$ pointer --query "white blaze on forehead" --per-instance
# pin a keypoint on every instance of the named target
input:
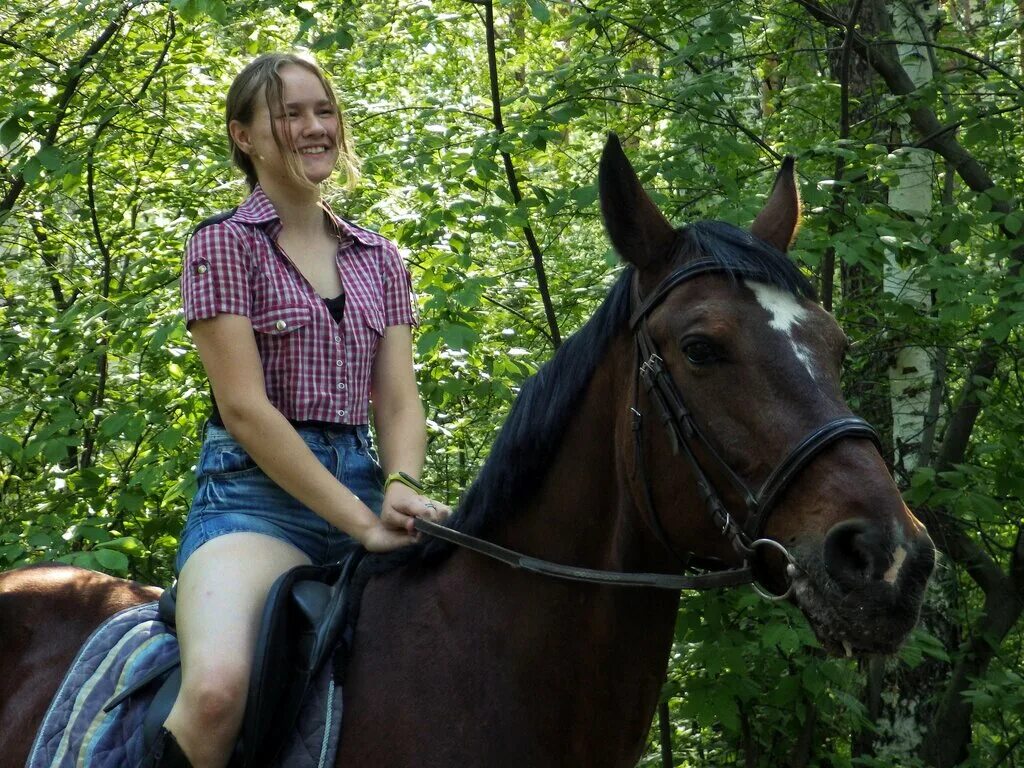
(786, 313)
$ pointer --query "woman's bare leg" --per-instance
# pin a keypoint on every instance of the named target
(221, 593)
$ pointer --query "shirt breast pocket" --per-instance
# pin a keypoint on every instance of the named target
(281, 321)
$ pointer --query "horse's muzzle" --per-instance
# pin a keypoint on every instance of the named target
(862, 590)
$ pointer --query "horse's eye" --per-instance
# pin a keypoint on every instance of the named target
(700, 352)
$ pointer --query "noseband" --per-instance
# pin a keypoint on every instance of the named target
(685, 435)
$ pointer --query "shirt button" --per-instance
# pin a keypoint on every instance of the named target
(339, 363)
(341, 412)
(280, 325)
(337, 338)
(201, 269)
(341, 385)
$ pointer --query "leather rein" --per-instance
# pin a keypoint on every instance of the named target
(684, 434)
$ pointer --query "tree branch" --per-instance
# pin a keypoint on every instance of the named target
(89, 439)
(958, 546)
(55, 287)
(839, 192)
(63, 99)
(4, 40)
(733, 120)
(884, 59)
(540, 329)
(513, 181)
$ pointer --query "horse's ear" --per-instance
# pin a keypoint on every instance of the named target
(779, 220)
(637, 229)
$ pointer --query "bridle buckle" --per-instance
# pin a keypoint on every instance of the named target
(652, 366)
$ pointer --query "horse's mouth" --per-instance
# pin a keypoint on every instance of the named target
(873, 621)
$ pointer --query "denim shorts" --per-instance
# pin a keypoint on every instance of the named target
(234, 495)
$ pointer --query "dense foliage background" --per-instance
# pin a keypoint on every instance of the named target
(480, 124)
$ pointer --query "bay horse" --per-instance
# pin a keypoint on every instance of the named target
(708, 371)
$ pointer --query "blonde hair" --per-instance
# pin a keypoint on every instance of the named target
(263, 74)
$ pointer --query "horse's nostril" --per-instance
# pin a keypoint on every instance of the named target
(856, 551)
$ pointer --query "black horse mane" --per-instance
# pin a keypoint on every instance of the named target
(528, 441)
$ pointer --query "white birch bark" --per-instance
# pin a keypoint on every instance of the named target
(912, 373)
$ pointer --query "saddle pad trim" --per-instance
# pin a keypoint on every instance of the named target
(326, 743)
(83, 652)
(101, 723)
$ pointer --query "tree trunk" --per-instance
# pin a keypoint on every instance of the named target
(912, 370)
(949, 733)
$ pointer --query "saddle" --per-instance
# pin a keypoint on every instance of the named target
(303, 627)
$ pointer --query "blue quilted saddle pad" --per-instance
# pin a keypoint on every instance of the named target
(77, 733)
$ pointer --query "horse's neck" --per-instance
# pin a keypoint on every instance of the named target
(542, 664)
(584, 513)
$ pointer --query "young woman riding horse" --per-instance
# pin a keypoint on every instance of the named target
(697, 410)
(298, 315)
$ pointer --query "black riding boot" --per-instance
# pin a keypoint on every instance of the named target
(165, 753)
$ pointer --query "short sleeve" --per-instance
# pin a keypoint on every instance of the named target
(215, 277)
(399, 299)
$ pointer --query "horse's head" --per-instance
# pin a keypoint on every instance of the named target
(744, 393)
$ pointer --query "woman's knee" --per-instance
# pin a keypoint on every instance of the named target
(214, 695)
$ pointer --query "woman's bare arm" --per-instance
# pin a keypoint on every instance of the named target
(400, 426)
(228, 350)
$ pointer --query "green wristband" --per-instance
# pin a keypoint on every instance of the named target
(404, 479)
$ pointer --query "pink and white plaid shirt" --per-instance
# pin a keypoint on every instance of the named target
(314, 368)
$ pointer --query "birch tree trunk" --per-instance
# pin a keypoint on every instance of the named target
(912, 372)
(900, 700)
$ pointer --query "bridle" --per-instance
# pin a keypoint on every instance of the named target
(684, 435)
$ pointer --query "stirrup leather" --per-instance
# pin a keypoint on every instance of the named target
(166, 753)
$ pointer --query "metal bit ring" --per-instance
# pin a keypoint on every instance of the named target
(771, 543)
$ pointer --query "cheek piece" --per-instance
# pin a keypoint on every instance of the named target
(684, 434)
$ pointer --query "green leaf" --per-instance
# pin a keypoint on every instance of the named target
(1013, 222)
(127, 544)
(30, 171)
(41, 540)
(340, 39)
(563, 113)
(458, 336)
(11, 552)
(111, 560)
(427, 341)
(10, 130)
(9, 447)
(113, 425)
(215, 9)
(189, 9)
(540, 10)
(56, 449)
(91, 533)
(585, 196)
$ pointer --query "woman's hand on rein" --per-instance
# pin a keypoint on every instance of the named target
(402, 505)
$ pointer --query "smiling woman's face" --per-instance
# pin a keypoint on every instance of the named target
(307, 124)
